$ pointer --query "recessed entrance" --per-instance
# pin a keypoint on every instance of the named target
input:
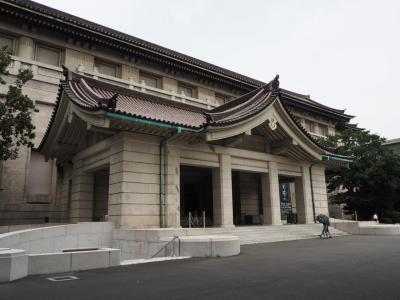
(100, 195)
(247, 198)
(196, 196)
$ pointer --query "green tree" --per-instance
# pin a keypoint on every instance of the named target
(371, 184)
(16, 128)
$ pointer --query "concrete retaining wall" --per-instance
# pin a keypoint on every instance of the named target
(143, 243)
(367, 228)
(73, 261)
(10, 228)
(56, 238)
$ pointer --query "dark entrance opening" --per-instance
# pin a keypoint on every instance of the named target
(100, 195)
(287, 199)
(247, 198)
(196, 196)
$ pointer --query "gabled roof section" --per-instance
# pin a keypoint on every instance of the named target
(244, 106)
(94, 95)
(95, 102)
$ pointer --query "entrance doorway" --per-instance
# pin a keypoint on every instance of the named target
(100, 195)
(247, 198)
(196, 196)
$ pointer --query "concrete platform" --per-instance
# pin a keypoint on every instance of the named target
(13, 264)
(367, 228)
(49, 263)
(209, 246)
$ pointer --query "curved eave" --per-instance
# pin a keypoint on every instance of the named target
(301, 142)
(317, 108)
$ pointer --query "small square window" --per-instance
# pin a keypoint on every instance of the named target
(308, 125)
(6, 41)
(188, 90)
(323, 129)
(221, 99)
(106, 68)
(47, 55)
(150, 80)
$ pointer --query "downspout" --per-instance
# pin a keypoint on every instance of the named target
(312, 188)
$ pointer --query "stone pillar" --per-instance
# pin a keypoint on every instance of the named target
(81, 195)
(134, 190)
(270, 195)
(26, 48)
(222, 193)
(320, 192)
(303, 197)
(172, 187)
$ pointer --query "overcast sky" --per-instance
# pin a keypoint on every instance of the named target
(345, 54)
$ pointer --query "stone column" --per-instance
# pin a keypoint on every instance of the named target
(222, 193)
(81, 195)
(26, 48)
(270, 195)
(134, 190)
(303, 197)
(172, 187)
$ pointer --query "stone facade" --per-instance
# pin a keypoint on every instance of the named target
(131, 160)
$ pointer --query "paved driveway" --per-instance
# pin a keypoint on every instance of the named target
(348, 267)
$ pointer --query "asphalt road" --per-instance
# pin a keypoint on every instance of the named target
(348, 267)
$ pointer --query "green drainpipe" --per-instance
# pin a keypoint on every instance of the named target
(164, 141)
(312, 188)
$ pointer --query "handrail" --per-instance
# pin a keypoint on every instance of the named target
(167, 244)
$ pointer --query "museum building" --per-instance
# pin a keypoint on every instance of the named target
(143, 136)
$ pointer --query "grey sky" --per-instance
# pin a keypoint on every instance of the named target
(345, 54)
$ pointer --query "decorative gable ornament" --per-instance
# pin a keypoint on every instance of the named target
(273, 123)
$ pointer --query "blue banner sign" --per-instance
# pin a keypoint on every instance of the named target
(286, 202)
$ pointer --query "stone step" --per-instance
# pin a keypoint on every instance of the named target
(266, 234)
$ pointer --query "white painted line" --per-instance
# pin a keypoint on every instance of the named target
(150, 260)
(62, 278)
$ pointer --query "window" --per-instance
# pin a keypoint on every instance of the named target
(47, 55)
(106, 68)
(308, 125)
(6, 41)
(323, 129)
(188, 90)
(221, 99)
(39, 178)
(150, 80)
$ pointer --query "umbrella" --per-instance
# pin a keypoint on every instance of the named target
(324, 219)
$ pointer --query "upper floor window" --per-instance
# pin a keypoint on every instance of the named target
(221, 99)
(150, 80)
(47, 55)
(106, 68)
(323, 129)
(7, 41)
(188, 90)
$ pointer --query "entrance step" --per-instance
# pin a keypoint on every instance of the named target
(268, 234)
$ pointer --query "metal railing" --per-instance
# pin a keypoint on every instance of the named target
(197, 221)
(170, 243)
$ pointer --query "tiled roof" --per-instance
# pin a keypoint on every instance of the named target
(95, 95)
(92, 94)
(58, 15)
(245, 106)
(88, 28)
